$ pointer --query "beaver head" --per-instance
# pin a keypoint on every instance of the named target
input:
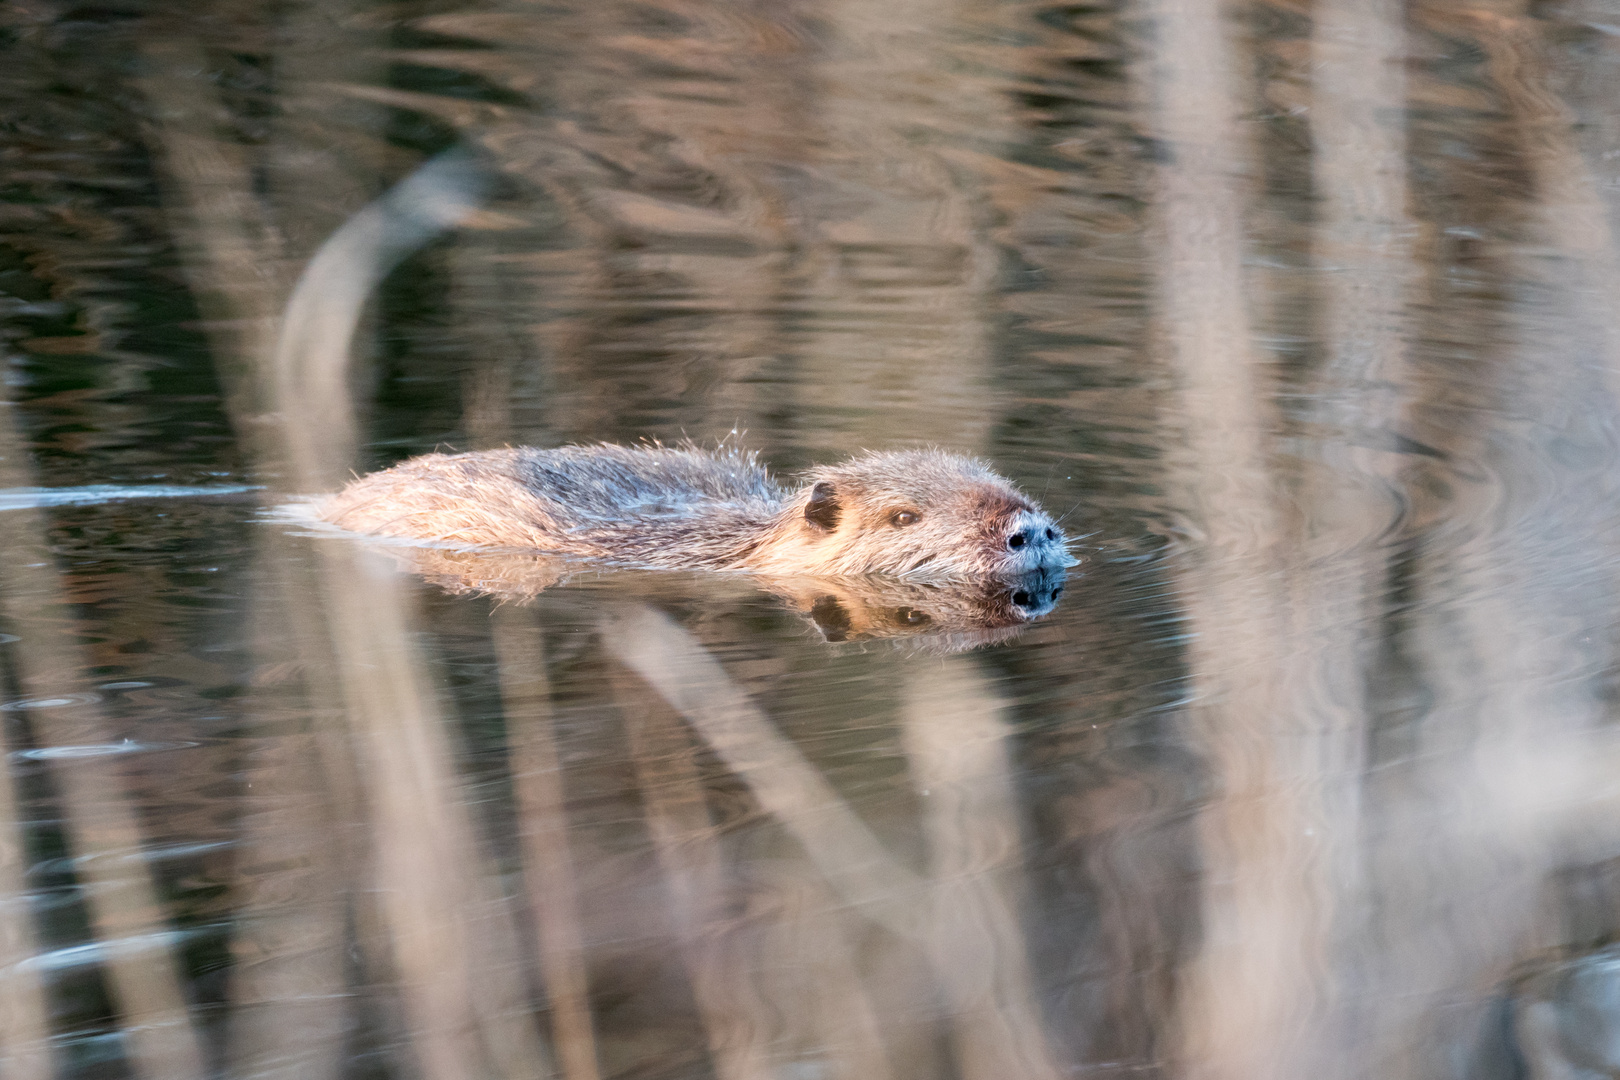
(914, 513)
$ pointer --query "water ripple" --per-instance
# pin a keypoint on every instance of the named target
(84, 750)
(32, 498)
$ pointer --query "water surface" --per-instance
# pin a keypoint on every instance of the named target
(1303, 315)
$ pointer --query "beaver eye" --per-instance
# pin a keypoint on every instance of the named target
(910, 617)
(902, 517)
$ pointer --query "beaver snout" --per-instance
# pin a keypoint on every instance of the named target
(1034, 541)
(1035, 593)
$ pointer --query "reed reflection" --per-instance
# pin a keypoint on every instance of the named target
(438, 918)
(961, 921)
(1326, 886)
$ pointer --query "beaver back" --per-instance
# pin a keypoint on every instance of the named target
(651, 504)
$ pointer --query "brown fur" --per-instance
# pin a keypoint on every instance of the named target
(686, 508)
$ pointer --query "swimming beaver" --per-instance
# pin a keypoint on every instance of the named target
(913, 512)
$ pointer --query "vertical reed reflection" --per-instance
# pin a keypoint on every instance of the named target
(285, 1020)
(1251, 992)
(23, 1020)
(451, 943)
(1352, 491)
(548, 866)
(690, 855)
(102, 827)
(289, 991)
(298, 845)
(1316, 939)
(1571, 214)
(955, 739)
(1500, 785)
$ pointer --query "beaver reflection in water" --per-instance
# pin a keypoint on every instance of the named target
(914, 512)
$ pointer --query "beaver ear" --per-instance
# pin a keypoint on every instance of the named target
(822, 509)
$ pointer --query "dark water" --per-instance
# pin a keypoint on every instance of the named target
(1303, 314)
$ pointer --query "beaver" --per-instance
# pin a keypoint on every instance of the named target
(915, 513)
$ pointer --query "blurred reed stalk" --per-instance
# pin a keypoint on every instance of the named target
(1248, 997)
(24, 1026)
(1352, 494)
(1507, 780)
(1572, 215)
(101, 826)
(693, 863)
(955, 736)
(452, 942)
(289, 975)
(290, 971)
(299, 849)
(787, 786)
(548, 865)
(961, 917)
(533, 762)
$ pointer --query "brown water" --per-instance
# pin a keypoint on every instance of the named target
(1304, 314)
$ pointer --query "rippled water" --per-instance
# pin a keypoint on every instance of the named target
(1303, 315)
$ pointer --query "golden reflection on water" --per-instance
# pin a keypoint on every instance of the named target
(1306, 310)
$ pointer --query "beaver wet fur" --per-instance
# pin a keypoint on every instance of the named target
(920, 513)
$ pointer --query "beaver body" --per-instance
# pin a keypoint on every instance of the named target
(920, 513)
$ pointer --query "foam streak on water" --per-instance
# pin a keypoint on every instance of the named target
(96, 494)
